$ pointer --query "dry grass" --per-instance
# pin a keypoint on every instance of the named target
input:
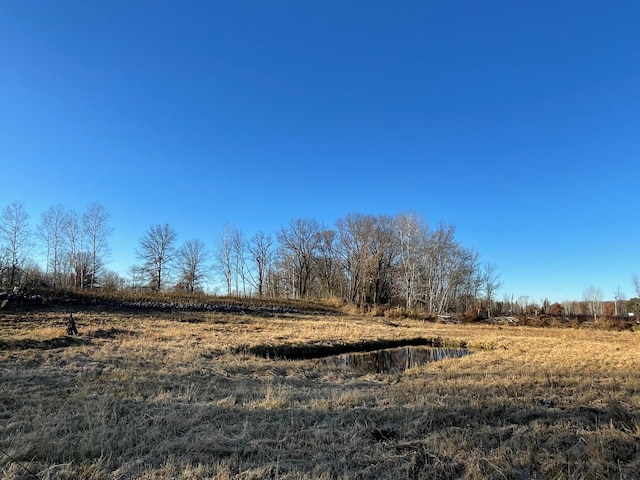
(159, 396)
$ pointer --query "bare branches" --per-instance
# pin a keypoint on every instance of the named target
(298, 244)
(261, 249)
(156, 252)
(51, 234)
(364, 259)
(14, 240)
(593, 297)
(97, 231)
(192, 262)
(490, 283)
(635, 281)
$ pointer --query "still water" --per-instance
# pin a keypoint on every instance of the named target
(394, 360)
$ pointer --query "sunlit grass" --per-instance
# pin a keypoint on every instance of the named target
(163, 395)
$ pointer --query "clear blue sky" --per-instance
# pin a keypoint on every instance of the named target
(517, 121)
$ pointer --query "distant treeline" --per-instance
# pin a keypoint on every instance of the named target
(361, 260)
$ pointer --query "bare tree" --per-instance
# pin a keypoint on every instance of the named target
(593, 297)
(544, 305)
(51, 234)
(438, 272)
(635, 281)
(356, 233)
(14, 240)
(192, 262)
(568, 307)
(96, 231)
(239, 261)
(447, 270)
(327, 263)
(508, 302)
(298, 244)
(224, 258)
(137, 277)
(368, 251)
(77, 258)
(411, 232)
(261, 250)
(384, 257)
(490, 283)
(465, 280)
(353, 234)
(618, 297)
(522, 302)
(112, 281)
(157, 251)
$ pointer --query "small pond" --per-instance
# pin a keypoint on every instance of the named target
(394, 360)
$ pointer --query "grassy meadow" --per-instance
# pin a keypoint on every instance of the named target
(159, 395)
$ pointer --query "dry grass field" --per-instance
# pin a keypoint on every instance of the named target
(155, 395)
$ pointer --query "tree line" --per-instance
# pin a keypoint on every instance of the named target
(361, 260)
(74, 246)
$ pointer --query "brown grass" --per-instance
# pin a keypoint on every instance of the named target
(162, 395)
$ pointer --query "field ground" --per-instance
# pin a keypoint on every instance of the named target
(160, 395)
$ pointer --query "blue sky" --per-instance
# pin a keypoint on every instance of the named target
(518, 122)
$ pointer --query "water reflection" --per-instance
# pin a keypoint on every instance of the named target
(394, 360)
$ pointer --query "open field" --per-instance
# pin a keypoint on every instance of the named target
(159, 395)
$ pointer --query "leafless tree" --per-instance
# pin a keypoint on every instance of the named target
(354, 232)
(261, 251)
(157, 252)
(593, 297)
(15, 240)
(635, 281)
(568, 307)
(4, 264)
(490, 283)
(192, 262)
(383, 260)
(97, 232)
(368, 252)
(77, 263)
(618, 298)
(443, 261)
(137, 277)
(224, 258)
(447, 273)
(508, 302)
(411, 232)
(522, 302)
(545, 304)
(298, 245)
(465, 279)
(327, 264)
(112, 281)
(51, 232)
(238, 253)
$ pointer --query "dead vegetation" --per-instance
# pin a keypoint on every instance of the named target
(159, 395)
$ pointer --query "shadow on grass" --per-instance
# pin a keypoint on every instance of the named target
(65, 341)
(59, 342)
(266, 428)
